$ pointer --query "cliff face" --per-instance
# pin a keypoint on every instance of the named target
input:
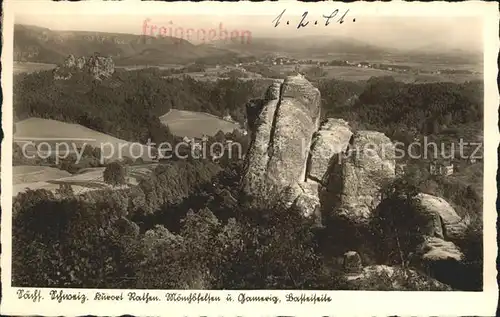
(298, 162)
(97, 66)
(367, 165)
(282, 126)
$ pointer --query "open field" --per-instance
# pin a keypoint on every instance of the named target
(32, 174)
(49, 178)
(195, 124)
(29, 67)
(39, 131)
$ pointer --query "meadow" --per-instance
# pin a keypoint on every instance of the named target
(52, 132)
(30, 67)
(195, 124)
(49, 178)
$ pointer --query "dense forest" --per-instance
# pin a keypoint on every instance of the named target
(128, 105)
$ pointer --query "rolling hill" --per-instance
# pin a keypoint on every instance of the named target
(42, 45)
(38, 131)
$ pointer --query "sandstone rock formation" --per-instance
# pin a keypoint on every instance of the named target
(446, 224)
(330, 141)
(327, 169)
(282, 125)
(294, 160)
(97, 66)
(100, 67)
(367, 166)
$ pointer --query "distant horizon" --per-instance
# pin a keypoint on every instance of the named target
(425, 34)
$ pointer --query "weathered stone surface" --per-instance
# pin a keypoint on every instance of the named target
(445, 222)
(366, 167)
(436, 249)
(390, 278)
(352, 262)
(282, 132)
(331, 140)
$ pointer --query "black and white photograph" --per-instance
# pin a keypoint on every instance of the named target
(306, 148)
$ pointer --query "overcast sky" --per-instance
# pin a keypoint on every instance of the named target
(449, 33)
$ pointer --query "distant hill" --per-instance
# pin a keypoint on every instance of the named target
(42, 45)
(336, 46)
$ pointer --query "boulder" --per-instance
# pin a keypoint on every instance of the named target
(282, 125)
(366, 167)
(436, 249)
(352, 262)
(445, 222)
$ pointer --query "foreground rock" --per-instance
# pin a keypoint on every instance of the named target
(390, 278)
(445, 222)
(436, 249)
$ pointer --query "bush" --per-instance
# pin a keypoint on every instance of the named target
(115, 174)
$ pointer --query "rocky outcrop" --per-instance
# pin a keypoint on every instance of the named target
(326, 169)
(100, 67)
(97, 66)
(295, 161)
(366, 167)
(445, 222)
(282, 126)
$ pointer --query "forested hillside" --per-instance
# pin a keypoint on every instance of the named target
(43, 45)
(129, 104)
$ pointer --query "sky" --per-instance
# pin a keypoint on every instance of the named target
(396, 32)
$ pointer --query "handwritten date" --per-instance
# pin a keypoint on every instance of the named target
(304, 21)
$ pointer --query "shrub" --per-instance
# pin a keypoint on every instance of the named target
(115, 174)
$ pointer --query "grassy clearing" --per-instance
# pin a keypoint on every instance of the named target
(195, 124)
(49, 178)
(39, 130)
